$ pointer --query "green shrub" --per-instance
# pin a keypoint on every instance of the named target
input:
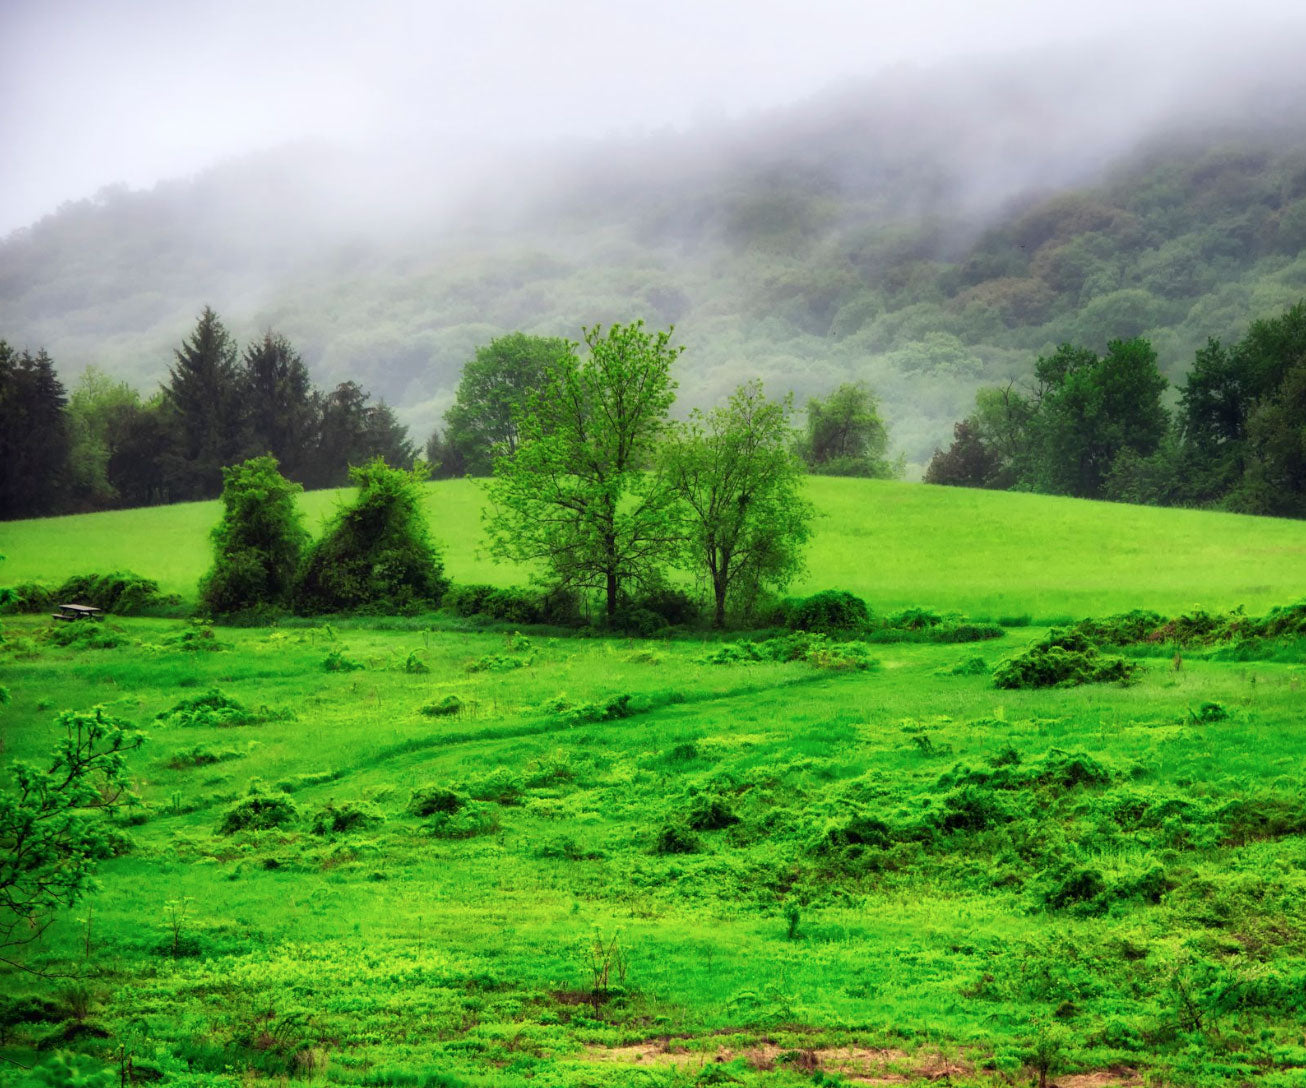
(87, 635)
(258, 542)
(196, 637)
(429, 800)
(515, 604)
(675, 839)
(468, 822)
(830, 612)
(27, 597)
(212, 709)
(710, 814)
(333, 819)
(1062, 659)
(449, 706)
(499, 785)
(376, 554)
(336, 661)
(258, 812)
(120, 592)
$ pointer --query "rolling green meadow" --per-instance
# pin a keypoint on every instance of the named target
(508, 857)
(897, 545)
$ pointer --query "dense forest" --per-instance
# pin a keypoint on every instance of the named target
(892, 233)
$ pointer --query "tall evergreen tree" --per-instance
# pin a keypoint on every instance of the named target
(33, 434)
(279, 411)
(203, 397)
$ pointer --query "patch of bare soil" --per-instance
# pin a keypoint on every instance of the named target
(1107, 1078)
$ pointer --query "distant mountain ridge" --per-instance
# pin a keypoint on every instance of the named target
(924, 232)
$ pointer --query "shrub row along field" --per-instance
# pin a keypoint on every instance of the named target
(993, 556)
(380, 854)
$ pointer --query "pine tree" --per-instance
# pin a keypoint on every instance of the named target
(33, 434)
(203, 396)
(279, 411)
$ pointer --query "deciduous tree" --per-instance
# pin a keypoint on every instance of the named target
(578, 497)
(735, 471)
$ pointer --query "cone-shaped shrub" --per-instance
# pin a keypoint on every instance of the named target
(258, 543)
(377, 554)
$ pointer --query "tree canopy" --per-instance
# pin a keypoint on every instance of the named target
(576, 498)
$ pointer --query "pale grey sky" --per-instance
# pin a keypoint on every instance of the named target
(94, 92)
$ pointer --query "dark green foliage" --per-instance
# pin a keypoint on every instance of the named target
(377, 553)
(448, 706)
(845, 435)
(429, 800)
(333, 819)
(467, 822)
(674, 839)
(817, 650)
(968, 462)
(280, 410)
(258, 812)
(1062, 659)
(202, 755)
(26, 597)
(258, 542)
(120, 592)
(710, 814)
(830, 612)
(34, 444)
(515, 604)
(1090, 411)
(204, 407)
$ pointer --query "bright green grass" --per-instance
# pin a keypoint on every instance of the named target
(993, 554)
(397, 958)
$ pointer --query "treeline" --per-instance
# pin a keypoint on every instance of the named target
(594, 486)
(106, 446)
(1098, 427)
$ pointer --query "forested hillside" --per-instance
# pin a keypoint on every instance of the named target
(895, 232)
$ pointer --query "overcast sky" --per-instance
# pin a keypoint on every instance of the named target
(94, 92)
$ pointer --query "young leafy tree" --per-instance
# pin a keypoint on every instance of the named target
(845, 435)
(577, 497)
(203, 395)
(493, 388)
(735, 471)
(377, 553)
(52, 826)
(100, 411)
(258, 542)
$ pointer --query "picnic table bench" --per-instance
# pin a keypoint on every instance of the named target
(77, 612)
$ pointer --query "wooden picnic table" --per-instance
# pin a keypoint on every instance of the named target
(77, 612)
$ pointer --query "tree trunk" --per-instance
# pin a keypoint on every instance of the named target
(612, 595)
(719, 591)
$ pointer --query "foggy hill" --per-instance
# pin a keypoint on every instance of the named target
(927, 231)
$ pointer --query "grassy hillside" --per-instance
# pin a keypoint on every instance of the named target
(990, 554)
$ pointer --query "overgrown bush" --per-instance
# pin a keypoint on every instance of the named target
(428, 800)
(376, 554)
(1062, 659)
(120, 592)
(515, 604)
(333, 819)
(830, 612)
(258, 542)
(258, 812)
(87, 635)
(213, 708)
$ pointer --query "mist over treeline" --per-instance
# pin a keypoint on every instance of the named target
(928, 232)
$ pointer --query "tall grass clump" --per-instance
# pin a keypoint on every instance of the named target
(257, 544)
(377, 554)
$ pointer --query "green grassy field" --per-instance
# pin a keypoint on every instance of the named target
(649, 868)
(898, 545)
